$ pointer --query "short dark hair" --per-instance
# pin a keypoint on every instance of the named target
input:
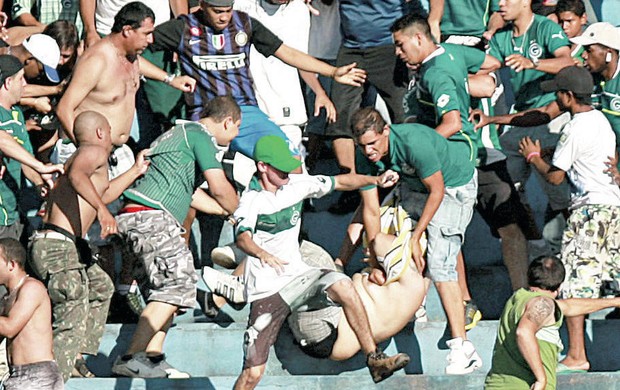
(13, 250)
(132, 15)
(366, 119)
(221, 107)
(546, 272)
(64, 33)
(575, 6)
(412, 20)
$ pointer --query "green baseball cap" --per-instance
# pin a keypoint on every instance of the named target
(274, 151)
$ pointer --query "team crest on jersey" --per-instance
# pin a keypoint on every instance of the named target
(535, 51)
(241, 38)
(295, 218)
(615, 104)
(218, 41)
(408, 169)
(194, 31)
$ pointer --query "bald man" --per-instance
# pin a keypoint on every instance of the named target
(79, 289)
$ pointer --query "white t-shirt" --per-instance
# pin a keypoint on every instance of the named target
(106, 10)
(276, 84)
(586, 143)
(274, 219)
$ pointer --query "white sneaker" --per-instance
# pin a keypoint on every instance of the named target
(463, 358)
(228, 286)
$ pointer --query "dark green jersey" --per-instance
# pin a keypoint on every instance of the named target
(467, 17)
(178, 159)
(13, 123)
(416, 152)
(607, 95)
(540, 41)
(443, 87)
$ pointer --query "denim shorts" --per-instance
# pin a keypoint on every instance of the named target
(254, 125)
(446, 230)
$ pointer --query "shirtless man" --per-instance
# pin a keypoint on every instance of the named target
(107, 75)
(25, 322)
(80, 290)
(326, 333)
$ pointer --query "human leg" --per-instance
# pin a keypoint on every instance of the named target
(576, 356)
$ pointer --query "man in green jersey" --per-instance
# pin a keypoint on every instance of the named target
(439, 191)
(151, 222)
(534, 48)
(528, 340)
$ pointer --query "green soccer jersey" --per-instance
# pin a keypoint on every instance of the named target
(509, 369)
(607, 95)
(443, 87)
(467, 17)
(416, 152)
(13, 123)
(178, 159)
(540, 41)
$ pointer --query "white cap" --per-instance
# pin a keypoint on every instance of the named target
(602, 33)
(45, 49)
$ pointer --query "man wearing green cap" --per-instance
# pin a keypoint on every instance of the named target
(277, 280)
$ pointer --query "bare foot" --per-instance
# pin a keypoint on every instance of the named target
(575, 364)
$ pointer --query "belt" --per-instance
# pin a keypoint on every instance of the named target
(49, 230)
(52, 235)
(134, 209)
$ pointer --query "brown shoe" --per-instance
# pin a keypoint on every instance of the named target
(80, 370)
(382, 366)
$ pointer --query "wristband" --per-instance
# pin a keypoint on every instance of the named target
(169, 77)
(532, 155)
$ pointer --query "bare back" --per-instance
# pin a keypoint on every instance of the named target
(389, 307)
(69, 210)
(33, 343)
(106, 82)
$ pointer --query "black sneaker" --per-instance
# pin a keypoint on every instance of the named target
(206, 303)
(382, 366)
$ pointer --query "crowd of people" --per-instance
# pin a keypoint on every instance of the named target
(124, 123)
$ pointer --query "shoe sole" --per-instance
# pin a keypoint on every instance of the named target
(473, 366)
(399, 365)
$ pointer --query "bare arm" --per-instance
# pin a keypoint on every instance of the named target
(179, 7)
(450, 124)
(27, 302)
(347, 74)
(149, 70)
(481, 86)
(495, 23)
(35, 90)
(120, 183)
(527, 118)
(436, 188)
(490, 64)
(582, 306)
(221, 190)
(28, 20)
(561, 60)
(10, 148)
(205, 203)
(352, 181)
(246, 243)
(87, 13)
(84, 80)
(539, 312)
(434, 18)
(371, 218)
(321, 99)
(528, 149)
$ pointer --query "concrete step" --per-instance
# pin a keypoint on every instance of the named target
(208, 350)
(589, 381)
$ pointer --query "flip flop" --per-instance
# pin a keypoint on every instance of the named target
(563, 369)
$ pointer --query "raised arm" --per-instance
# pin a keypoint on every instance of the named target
(582, 306)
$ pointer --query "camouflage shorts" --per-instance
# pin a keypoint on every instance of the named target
(165, 270)
(590, 250)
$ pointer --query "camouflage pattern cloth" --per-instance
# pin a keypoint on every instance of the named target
(165, 270)
(80, 297)
(591, 250)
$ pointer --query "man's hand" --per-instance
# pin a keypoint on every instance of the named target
(527, 147)
(388, 179)
(323, 100)
(478, 118)
(42, 104)
(183, 83)
(107, 222)
(350, 75)
(311, 9)
(51, 168)
(272, 261)
(142, 164)
(377, 276)
(538, 385)
(518, 63)
(612, 169)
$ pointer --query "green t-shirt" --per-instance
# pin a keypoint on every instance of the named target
(607, 97)
(416, 152)
(467, 17)
(443, 87)
(540, 41)
(178, 159)
(509, 369)
(13, 123)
